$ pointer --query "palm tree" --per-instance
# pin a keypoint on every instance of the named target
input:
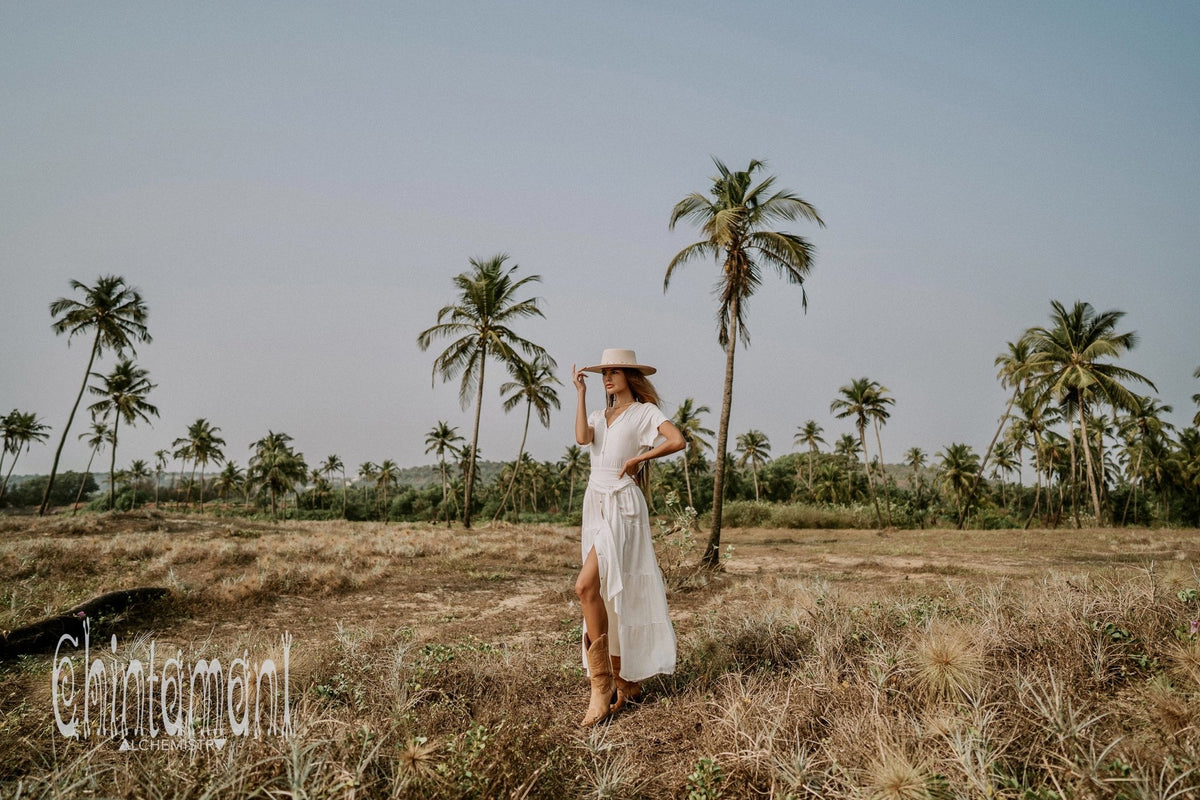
(957, 471)
(878, 413)
(334, 464)
(848, 448)
(1070, 364)
(573, 463)
(230, 479)
(754, 447)
(366, 473)
(97, 437)
(687, 420)
(479, 326)
(201, 445)
(161, 458)
(1142, 428)
(810, 434)
(533, 382)
(734, 218)
(123, 395)
(443, 440)
(386, 478)
(1015, 372)
(275, 466)
(858, 399)
(19, 431)
(115, 315)
(916, 458)
(1003, 465)
(137, 472)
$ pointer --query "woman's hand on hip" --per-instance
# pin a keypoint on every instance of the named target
(630, 468)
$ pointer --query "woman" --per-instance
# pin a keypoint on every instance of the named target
(627, 635)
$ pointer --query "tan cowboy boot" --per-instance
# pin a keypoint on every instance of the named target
(600, 667)
(627, 692)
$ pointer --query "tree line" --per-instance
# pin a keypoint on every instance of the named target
(1100, 452)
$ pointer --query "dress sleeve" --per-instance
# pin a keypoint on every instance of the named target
(593, 421)
(648, 435)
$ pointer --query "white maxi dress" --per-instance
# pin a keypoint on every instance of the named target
(617, 523)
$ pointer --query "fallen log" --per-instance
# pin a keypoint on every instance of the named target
(43, 636)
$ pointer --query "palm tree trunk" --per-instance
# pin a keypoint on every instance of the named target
(11, 467)
(1087, 455)
(712, 551)
(516, 466)
(862, 440)
(1134, 483)
(71, 418)
(112, 466)
(987, 455)
(83, 482)
(883, 471)
(474, 442)
(687, 479)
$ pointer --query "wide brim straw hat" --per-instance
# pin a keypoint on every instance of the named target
(625, 359)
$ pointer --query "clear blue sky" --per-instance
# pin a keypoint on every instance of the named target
(292, 186)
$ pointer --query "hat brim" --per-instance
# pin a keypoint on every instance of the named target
(642, 368)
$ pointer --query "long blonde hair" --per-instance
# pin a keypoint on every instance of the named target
(643, 390)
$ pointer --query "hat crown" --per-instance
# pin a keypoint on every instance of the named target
(620, 357)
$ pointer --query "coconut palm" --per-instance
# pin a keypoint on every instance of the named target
(859, 398)
(1004, 463)
(230, 479)
(754, 448)
(18, 431)
(201, 445)
(479, 325)
(366, 473)
(122, 395)
(97, 437)
(387, 477)
(877, 411)
(138, 471)
(734, 217)
(687, 420)
(115, 316)
(161, 459)
(1070, 362)
(533, 382)
(848, 448)
(443, 440)
(573, 464)
(1015, 371)
(275, 466)
(331, 465)
(1142, 428)
(957, 472)
(809, 434)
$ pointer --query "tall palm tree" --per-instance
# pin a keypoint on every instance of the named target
(533, 382)
(754, 447)
(122, 394)
(735, 217)
(1016, 369)
(687, 420)
(115, 315)
(275, 466)
(138, 471)
(957, 471)
(916, 458)
(573, 464)
(479, 325)
(877, 411)
(97, 437)
(202, 444)
(1070, 361)
(20, 430)
(1142, 428)
(848, 448)
(858, 399)
(161, 459)
(443, 440)
(231, 478)
(331, 465)
(386, 478)
(809, 434)
(366, 473)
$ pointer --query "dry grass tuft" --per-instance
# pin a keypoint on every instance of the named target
(946, 663)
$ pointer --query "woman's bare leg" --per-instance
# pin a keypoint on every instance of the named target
(587, 589)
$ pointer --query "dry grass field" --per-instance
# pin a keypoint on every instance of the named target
(427, 662)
